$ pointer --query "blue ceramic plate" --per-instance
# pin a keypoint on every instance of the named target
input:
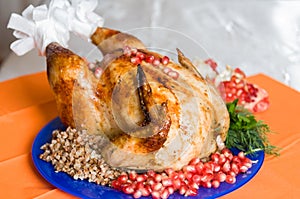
(85, 189)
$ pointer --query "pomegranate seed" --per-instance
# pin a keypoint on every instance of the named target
(141, 178)
(155, 195)
(165, 60)
(149, 59)
(170, 172)
(157, 186)
(132, 175)
(151, 173)
(222, 159)
(191, 192)
(240, 72)
(193, 185)
(215, 183)
(122, 178)
(148, 188)
(183, 189)
(207, 177)
(226, 152)
(211, 63)
(164, 175)
(232, 173)
(239, 92)
(194, 161)
(241, 155)
(207, 171)
(247, 160)
(221, 177)
(139, 185)
(236, 160)
(226, 167)
(208, 167)
(135, 60)
(137, 194)
(157, 177)
(234, 79)
(243, 169)
(230, 179)
(207, 184)
(156, 62)
(127, 51)
(230, 156)
(215, 157)
(176, 184)
(116, 184)
(181, 175)
(248, 164)
(233, 91)
(226, 83)
(167, 70)
(199, 167)
(234, 168)
(189, 168)
(173, 74)
(196, 178)
(188, 175)
(98, 72)
(145, 191)
(166, 182)
(165, 194)
(217, 168)
(150, 181)
(174, 175)
(128, 189)
(140, 55)
(171, 190)
(240, 85)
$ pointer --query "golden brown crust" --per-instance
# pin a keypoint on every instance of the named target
(62, 68)
(109, 40)
(102, 34)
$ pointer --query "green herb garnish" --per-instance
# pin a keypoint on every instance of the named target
(246, 133)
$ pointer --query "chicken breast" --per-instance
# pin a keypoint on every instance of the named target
(145, 118)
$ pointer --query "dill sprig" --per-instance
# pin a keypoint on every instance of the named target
(246, 133)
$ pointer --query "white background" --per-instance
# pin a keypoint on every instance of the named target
(257, 36)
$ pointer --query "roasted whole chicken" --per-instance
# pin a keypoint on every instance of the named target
(146, 119)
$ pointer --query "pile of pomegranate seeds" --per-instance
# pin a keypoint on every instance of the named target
(136, 57)
(222, 167)
(232, 85)
(249, 95)
(238, 88)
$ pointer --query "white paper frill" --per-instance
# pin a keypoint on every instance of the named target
(41, 25)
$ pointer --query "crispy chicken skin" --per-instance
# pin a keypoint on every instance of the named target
(146, 119)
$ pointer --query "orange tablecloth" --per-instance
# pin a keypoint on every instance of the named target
(27, 105)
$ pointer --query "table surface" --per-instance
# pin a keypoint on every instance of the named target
(27, 104)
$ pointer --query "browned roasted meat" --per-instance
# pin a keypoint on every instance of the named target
(147, 119)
